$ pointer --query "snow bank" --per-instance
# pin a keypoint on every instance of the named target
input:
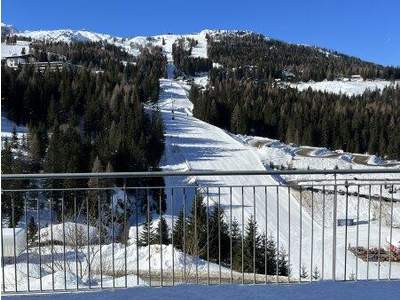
(375, 160)
(80, 233)
(152, 253)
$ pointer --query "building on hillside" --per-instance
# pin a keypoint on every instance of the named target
(356, 78)
(343, 222)
(17, 60)
(20, 60)
(41, 66)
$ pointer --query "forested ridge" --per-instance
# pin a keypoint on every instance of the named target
(244, 97)
(366, 123)
(251, 55)
(88, 114)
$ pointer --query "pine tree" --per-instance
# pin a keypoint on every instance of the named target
(162, 232)
(32, 230)
(36, 147)
(283, 263)
(14, 138)
(178, 231)
(236, 236)
(147, 236)
(270, 247)
(303, 272)
(252, 244)
(219, 242)
(6, 158)
(316, 275)
(196, 237)
(236, 120)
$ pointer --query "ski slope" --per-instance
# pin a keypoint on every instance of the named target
(192, 144)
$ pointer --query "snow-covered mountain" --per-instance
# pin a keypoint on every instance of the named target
(131, 44)
(8, 29)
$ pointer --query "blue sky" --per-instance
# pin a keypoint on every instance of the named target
(369, 29)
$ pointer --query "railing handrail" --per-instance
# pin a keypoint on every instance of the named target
(154, 174)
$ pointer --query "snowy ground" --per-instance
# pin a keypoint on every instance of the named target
(314, 158)
(349, 88)
(192, 144)
(316, 291)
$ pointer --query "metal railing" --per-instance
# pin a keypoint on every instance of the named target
(101, 230)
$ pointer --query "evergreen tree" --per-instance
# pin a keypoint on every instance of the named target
(219, 241)
(32, 231)
(196, 237)
(147, 236)
(14, 138)
(252, 246)
(316, 275)
(236, 236)
(284, 268)
(303, 272)
(162, 232)
(271, 254)
(178, 231)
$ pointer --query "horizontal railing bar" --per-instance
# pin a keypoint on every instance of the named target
(194, 173)
(191, 186)
(383, 180)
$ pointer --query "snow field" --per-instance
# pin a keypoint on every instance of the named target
(349, 88)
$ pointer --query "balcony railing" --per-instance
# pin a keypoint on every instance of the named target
(107, 230)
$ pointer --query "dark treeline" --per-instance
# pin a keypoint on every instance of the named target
(190, 235)
(84, 121)
(366, 123)
(254, 56)
(181, 51)
(243, 96)
(88, 115)
(90, 54)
